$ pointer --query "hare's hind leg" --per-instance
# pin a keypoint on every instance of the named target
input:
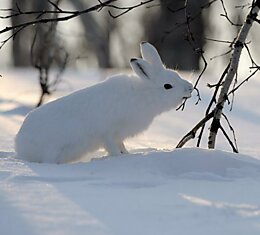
(115, 148)
(122, 147)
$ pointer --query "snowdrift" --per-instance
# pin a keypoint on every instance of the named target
(185, 191)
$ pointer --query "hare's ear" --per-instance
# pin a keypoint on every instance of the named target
(142, 68)
(150, 54)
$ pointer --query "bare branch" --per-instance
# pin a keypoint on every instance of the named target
(191, 18)
(226, 15)
(223, 54)
(244, 81)
(250, 56)
(228, 139)
(55, 6)
(232, 130)
(191, 134)
(243, 6)
(176, 10)
(71, 15)
(126, 9)
(218, 40)
(11, 37)
(68, 14)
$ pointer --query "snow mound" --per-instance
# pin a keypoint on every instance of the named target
(187, 163)
(185, 191)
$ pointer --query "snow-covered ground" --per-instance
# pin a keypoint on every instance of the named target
(153, 190)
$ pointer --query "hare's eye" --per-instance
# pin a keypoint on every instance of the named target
(167, 86)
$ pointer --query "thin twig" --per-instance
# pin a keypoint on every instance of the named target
(228, 139)
(250, 55)
(126, 9)
(226, 15)
(244, 81)
(55, 6)
(223, 54)
(232, 130)
(218, 40)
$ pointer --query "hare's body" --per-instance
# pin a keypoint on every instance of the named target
(101, 116)
(53, 136)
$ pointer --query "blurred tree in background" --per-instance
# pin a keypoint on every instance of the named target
(167, 30)
(23, 40)
(95, 33)
(163, 26)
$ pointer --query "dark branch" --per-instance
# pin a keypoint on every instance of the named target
(223, 54)
(244, 81)
(55, 6)
(126, 9)
(228, 139)
(232, 130)
(226, 15)
(191, 134)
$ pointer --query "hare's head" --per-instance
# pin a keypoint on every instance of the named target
(167, 84)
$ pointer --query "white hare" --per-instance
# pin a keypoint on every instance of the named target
(103, 115)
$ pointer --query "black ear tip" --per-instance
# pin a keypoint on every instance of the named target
(133, 59)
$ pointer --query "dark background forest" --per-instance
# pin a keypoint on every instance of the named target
(98, 40)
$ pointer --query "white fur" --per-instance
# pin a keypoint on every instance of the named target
(103, 115)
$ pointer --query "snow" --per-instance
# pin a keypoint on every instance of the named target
(153, 190)
(183, 191)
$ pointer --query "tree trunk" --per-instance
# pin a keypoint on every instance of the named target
(96, 35)
(238, 46)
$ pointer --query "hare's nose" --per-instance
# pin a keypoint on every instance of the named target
(189, 88)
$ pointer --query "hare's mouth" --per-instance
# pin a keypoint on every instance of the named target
(187, 93)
